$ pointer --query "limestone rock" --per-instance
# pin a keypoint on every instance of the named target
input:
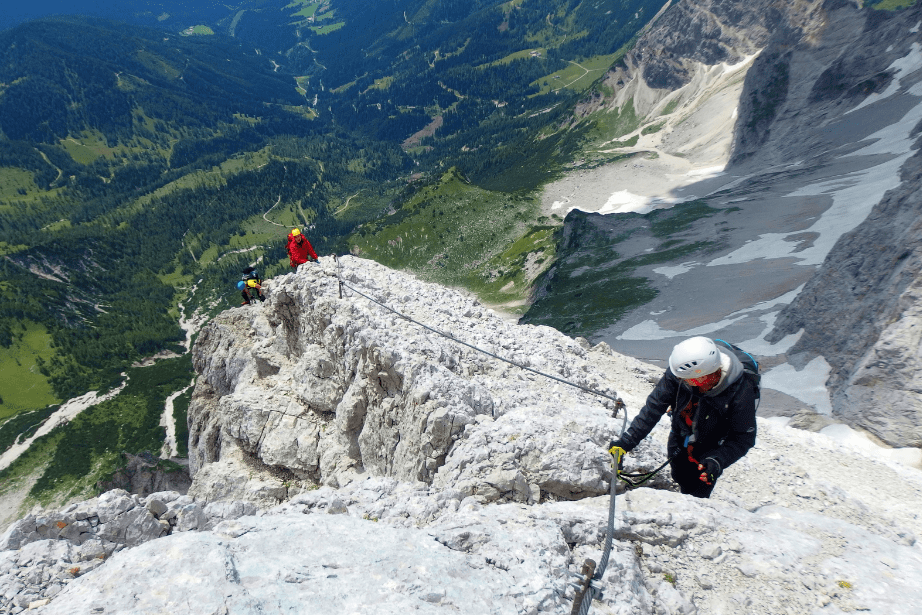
(349, 561)
(145, 474)
(861, 310)
(446, 482)
(354, 390)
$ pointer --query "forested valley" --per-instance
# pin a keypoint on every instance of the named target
(141, 170)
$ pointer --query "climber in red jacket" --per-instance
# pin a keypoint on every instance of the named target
(299, 249)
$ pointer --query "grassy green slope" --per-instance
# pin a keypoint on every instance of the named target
(26, 387)
(115, 208)
(893, 5)
(70, 460)
(457, 234)
(152, 192)
(491, 74)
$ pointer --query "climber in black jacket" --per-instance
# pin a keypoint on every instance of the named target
(713, 408)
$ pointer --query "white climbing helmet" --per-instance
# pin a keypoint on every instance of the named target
(695, 357)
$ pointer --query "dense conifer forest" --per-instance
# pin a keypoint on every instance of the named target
(141, 168)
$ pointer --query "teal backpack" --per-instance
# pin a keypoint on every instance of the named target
(750, 366)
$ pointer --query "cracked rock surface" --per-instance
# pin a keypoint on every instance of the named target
(347, 461)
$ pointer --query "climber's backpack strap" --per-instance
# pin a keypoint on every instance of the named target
(750, 365)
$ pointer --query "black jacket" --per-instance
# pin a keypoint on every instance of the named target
(724, 425)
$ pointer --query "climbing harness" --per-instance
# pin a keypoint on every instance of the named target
(591, 574)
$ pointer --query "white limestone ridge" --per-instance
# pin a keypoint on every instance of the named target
(346, 460)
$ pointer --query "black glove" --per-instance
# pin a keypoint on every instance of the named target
(710, 470)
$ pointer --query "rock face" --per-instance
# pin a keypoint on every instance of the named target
(860, 311)
(503, 520)
(690, 36)
(803, 538)
(42, 553)
(313, 389)
(144, 474)
(805, 82)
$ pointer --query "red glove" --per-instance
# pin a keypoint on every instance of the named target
(710, 471)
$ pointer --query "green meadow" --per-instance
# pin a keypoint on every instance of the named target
(578, 76)
(25, 388)
(451, 232)
(893, 5)
(72, 458)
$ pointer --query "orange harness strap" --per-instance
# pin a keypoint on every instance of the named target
(686, 415)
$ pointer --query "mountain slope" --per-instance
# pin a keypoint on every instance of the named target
(86, 79)
(454, 481)
(823, 133)
(867, 287)
(97, 221)
(111, 131)
(117, 141)
(164, 166)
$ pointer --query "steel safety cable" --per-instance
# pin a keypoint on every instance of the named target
(593, 574)
(618, 402)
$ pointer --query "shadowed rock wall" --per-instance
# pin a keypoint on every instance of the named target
(862, 313)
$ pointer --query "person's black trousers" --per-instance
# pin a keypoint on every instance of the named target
(687, 475)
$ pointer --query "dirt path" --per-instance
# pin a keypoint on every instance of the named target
(586, 72)
(270, 209)
(45, 158)
(346, 204)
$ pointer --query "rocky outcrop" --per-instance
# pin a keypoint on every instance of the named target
(859, 96)
(313, 389)
(761, 544)
(144, 474)
(42, 553)
(500, 526)
(804, 83)
(691, 35)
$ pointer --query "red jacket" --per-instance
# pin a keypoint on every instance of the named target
(299, 254)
